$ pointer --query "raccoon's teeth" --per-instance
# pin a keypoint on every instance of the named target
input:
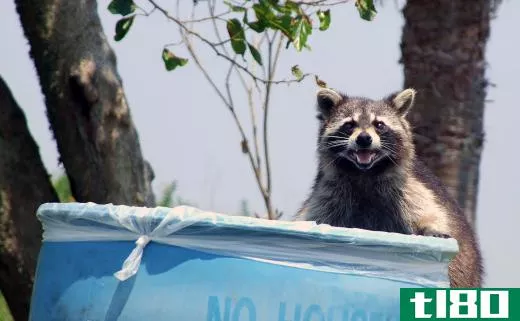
(364, 157)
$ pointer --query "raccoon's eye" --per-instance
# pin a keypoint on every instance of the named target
(380, 125)
(348, 126)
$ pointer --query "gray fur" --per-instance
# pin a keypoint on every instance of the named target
(394, 192)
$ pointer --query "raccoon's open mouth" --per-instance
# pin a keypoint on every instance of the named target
(363, 158)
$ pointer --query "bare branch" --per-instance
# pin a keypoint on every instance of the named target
(230, 106)
(266, 137)
(277, 53)
(249, 91)
(321, 3)
(203, 70)
(211, 7)
(212, 17)
(174, 44)
(254, 127)
(228, 86)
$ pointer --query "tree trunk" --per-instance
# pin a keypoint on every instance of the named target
(24, 186)
(443, 47)
(86, 105)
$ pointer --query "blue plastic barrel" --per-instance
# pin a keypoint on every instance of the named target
(184, 264)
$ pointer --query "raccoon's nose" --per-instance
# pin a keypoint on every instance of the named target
(364, 140)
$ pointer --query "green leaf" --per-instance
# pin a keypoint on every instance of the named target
(286, 8)
(297, 72)
(258, 26)
(265, 15)
(255, 53)
(292, 6)
(284, 24)
(122, 27)
(235, 8)
(366, 9)
(5, 313)
(263, 12)
(167, 195)
(122, 7)
(324, 17)
(301, 32)
(171, 61)
(62, 187)
(238, 38)
(266, 18)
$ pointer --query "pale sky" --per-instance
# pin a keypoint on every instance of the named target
(187, 134)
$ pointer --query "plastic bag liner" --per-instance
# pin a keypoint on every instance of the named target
(407, 258)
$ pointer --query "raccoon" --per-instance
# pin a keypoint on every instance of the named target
(369, 177)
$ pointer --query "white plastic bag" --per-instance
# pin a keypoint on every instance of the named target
(422, 260)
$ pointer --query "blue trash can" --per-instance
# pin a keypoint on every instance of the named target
(107, 262)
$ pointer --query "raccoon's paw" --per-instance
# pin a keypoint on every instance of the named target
(430, 232)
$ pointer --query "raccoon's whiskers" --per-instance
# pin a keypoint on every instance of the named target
(329, 145)
(389, 146)
(333, 136)
(337, 143)
(391, 149)
(330, 163)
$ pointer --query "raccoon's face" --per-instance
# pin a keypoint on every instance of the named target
(359, 134)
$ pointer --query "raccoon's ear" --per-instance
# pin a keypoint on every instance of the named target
(403, 101)
(327, 99)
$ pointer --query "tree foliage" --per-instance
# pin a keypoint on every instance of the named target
(170, 198)
(294, 19)
(62, 187)
(5, 314)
